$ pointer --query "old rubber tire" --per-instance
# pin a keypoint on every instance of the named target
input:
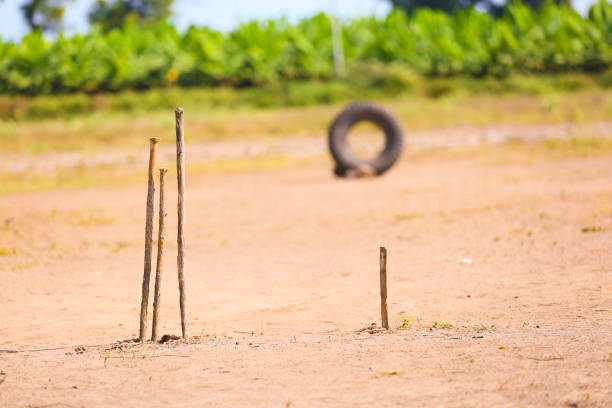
(345, 158)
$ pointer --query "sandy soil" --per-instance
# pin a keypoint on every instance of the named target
(282, 273)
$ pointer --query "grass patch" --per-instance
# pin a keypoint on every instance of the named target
(392, 373)
(593, 228)
(9, 251)
(114, 247)
(404, 217)
(117, 130)
(410, 322)
(91, 218)
(80, 178)
(362, 81)
(579, 146)
(438, 325)
(69, 179)
(518, 152)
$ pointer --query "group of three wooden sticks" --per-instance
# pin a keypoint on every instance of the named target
(180, 171)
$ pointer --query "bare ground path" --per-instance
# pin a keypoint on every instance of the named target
(282, 275)
(301, 147)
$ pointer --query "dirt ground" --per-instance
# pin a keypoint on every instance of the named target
(500, 291)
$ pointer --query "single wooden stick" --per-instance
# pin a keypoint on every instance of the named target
(180, 259)
(161, 238)
(383, 288)
(144, 302)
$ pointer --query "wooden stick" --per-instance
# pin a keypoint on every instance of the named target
(144, 302)
(383, 288)
(180, 259)
(161, 238)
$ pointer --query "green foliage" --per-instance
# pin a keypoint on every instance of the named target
(365, 81)
(432, 43)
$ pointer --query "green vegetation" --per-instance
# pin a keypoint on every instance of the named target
(580, 146)
(437, 325)
(119, 122)
(90, 218)
(10, 251)
(364, 81)
(410, 322)
(553, 38)
(390, 373)
(594, 228)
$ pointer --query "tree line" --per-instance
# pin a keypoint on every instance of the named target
(47, 15)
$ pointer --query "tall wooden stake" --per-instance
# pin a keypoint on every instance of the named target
(180, 259)
(144, 303)
(337, 47)
(383, 288)
(161, 238)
